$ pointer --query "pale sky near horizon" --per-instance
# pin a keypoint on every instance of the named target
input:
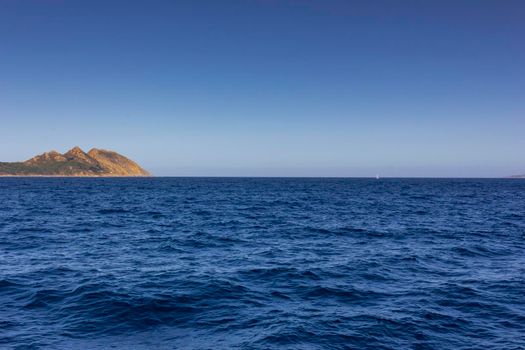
(269, 87)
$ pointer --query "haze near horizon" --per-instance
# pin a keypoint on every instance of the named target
(269, 88)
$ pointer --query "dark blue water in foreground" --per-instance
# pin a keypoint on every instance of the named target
(197, 263)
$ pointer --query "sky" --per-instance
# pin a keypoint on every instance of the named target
(269, 87)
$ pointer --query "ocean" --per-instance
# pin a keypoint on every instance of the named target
(262, 263)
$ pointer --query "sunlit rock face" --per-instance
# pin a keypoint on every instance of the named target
(75, 162)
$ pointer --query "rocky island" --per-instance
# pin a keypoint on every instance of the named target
(75, 162)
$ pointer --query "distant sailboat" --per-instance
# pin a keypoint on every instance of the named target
(377, 176)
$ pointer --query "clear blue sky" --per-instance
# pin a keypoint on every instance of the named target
(269, 87)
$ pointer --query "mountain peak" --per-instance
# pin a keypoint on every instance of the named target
(76, 149)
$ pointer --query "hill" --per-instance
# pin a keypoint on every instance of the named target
(75, 162)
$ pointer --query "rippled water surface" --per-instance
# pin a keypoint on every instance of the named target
(222, 263)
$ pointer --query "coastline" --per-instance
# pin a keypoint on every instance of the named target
(79, 176)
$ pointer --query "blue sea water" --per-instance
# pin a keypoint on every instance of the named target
(253, 263)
